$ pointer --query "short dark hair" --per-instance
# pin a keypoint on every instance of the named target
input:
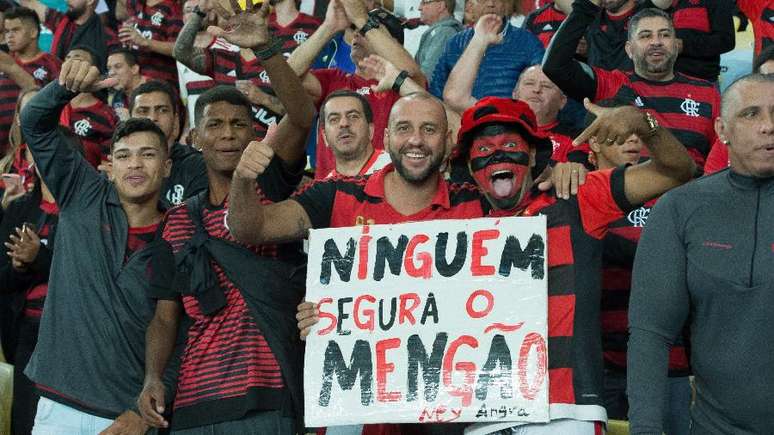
(24, 14)
(95, 59)
(154, 86)
(764, 56)
(221, 93)
(367, 112)
(634, 21)
(129, 57)
(138, 125)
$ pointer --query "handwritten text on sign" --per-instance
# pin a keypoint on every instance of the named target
(428, 322)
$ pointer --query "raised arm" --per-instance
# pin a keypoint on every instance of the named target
(184, 50)
(64, 171)
(575, 79)
(37, 6)
(10, 68)
(382, 42)
(252, 222)
(458, 92)
(669, 165)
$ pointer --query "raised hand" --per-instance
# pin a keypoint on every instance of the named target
(244, 28)
(81, 76)
(613, 125)
(335, 16)
(356, 11)
(487, 29)
(23, 247)
(130, 36)
(256, 157)
(381, 70)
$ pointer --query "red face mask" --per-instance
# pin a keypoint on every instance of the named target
(500, 165)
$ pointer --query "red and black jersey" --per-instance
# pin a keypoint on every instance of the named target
(67, 34)
(620, 245)
(544, 22)
(226, 67)
(94, 125)
(606, 37)
(295, 33)
(44, 68)
(561, 136)
(706, 29)
(36, 295)
(761, 14)
(160, 22)
(333, 79)
(139, 237)
(575, 230)
(684, 105)
(717, 160)
(348, 201)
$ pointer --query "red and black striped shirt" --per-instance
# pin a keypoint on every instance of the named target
(36, 295)
(347, 201)
(620, 245)
(684, 105)
(44, 68)
(160, 22)
(295, 33)
(94, 125)
(761, 14)
(544, 22)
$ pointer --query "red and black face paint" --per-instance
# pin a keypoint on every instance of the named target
(500, 163)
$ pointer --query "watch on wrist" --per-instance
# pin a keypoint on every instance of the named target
(399, 81)
(271, 49)
(652, 125)
(372, 23)
(199, 12)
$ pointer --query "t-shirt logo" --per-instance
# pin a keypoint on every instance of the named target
(264, 76)
(157, 19)
(82, 127)
(638, 102)
(690, 107)
(300, 36)
(548, 27)
(40, 73)
(175, 194)
(638, 217)
(365, 90)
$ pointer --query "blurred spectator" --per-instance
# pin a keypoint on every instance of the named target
(375, 35)
(28, 230)
(544, 21)
(122, 65)
(607, 31)
(150, 29)
(225, 67)
(88, 116)
(439, 16)
(761, 14)
(78, 26)
(507, 52)
(705, 30)
(157, 101)
(347, 123)
(494, 56)
(25, 66)
(290, 25)
(684, 105)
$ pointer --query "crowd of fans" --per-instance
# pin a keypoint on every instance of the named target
(163, 162)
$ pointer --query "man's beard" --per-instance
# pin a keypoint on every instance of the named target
(435, 166)
(75, 13)
(667, 65)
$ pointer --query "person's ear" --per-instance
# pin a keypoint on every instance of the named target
(628, 49)
(720, 130)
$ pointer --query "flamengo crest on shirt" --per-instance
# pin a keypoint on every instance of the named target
(428, 326)
(690, 107)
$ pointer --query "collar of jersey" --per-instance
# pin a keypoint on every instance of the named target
(375, 187)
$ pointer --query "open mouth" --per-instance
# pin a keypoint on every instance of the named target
(503, 183)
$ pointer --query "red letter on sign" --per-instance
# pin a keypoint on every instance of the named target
(466, 390)
(367, 312)
(383, 368)
(532, 339)
(362, 267)
(324, 315)
(489, 304)
(425, 269)
(408, 303)
(476, 268)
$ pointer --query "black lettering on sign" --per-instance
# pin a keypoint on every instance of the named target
(393, 255)
(533, 256)
(393, 308)
(360, 363)
(431, 309)
(431, 366)
(342, 315)
(449, 269)
(499, 356)
(343, 264)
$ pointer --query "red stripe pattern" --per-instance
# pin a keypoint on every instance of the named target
(160, 22)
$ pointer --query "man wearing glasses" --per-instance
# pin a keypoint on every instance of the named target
(439, 15)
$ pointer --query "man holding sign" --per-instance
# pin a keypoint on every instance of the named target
(499, 139)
